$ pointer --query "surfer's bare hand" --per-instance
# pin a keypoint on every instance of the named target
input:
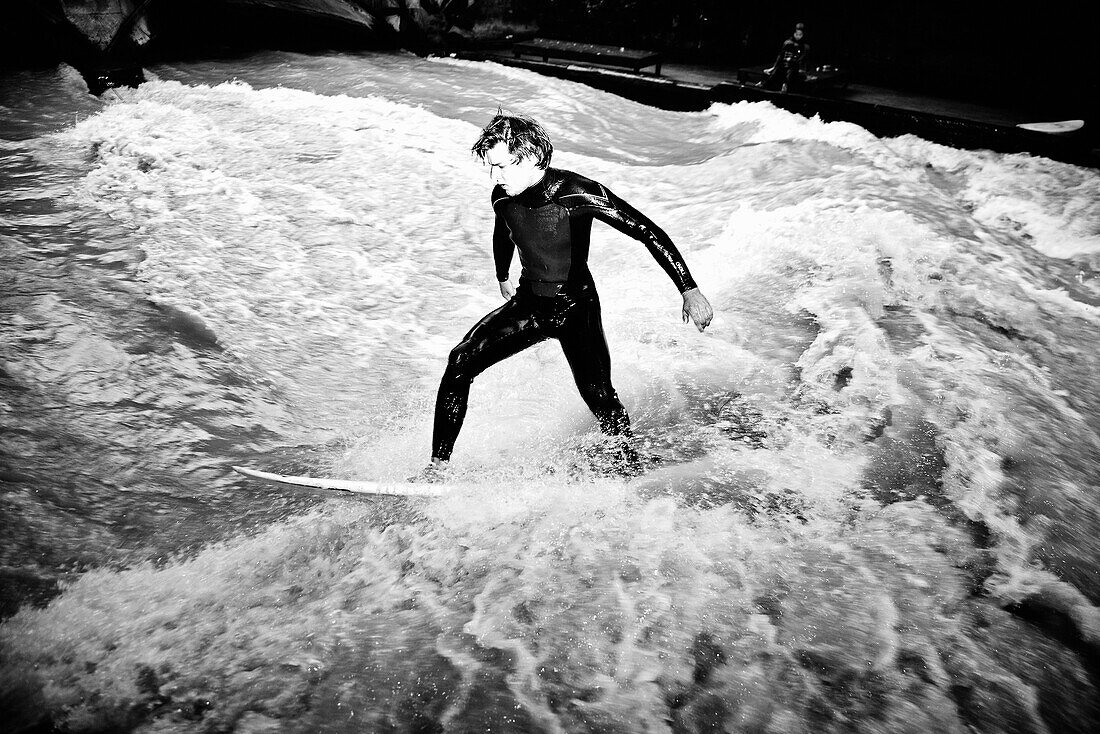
(697, 309)
(507, 289)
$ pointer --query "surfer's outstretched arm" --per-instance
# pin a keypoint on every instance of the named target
(596, 199)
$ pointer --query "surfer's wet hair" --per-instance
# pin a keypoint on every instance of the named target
(523, 135)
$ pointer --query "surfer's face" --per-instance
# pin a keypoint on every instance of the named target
(514, 175)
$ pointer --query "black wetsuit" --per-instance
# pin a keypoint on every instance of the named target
(789, 67)
(550, 224)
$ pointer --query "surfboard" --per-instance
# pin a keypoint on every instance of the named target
(356, 486)
(1062, 126)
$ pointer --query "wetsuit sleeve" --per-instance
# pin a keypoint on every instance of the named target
(503, 248)
(779, 57)
(610, 209)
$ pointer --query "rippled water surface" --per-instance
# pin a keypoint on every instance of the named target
(877, 509)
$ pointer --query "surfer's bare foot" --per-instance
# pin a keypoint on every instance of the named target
(619, 458)
(627, 462)
(433, 473)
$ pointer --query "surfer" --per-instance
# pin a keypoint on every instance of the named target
(788, 71)
(546, 214)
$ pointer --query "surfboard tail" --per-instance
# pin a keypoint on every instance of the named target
(368, 487)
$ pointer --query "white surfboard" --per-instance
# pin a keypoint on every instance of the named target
(1062, 126)
(397, 489)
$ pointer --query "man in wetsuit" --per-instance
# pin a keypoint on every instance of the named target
(546, 214)
(788, 72)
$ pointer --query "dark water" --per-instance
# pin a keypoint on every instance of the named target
(878, 507)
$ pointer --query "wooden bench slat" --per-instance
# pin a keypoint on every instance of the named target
(549, 48)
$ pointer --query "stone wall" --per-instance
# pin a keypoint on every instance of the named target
(101, 20)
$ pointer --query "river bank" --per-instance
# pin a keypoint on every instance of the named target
(882, 111)
(113, 43)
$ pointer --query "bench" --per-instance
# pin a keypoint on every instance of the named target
(590, 53)
(815, 79)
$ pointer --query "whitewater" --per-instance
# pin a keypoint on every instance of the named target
(877, 509)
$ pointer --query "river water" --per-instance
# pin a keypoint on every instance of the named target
(877, 509)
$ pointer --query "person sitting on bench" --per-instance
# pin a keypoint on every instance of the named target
(788, 72)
